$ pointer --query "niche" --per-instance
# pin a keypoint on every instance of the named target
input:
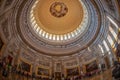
(24, 66)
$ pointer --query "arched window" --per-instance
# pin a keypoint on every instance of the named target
(113, 32)
(50, 36)
(113, 22)
(58, 37)
(106, 45)
(61, 37)
(101, 48)
(110, 40)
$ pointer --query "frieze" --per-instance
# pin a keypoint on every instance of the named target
(44, 63)
(89, 57)
(71, 63)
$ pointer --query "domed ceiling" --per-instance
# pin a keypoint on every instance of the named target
(57, 35)
(58, 27)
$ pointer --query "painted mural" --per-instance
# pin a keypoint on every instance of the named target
(72, 72)
(42, 71)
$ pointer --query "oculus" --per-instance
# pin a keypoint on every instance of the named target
(58, 9)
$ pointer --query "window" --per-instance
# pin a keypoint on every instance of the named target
(113, 32)
(101, 48)
(110, 40)
(106, 46)
(111, 20)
